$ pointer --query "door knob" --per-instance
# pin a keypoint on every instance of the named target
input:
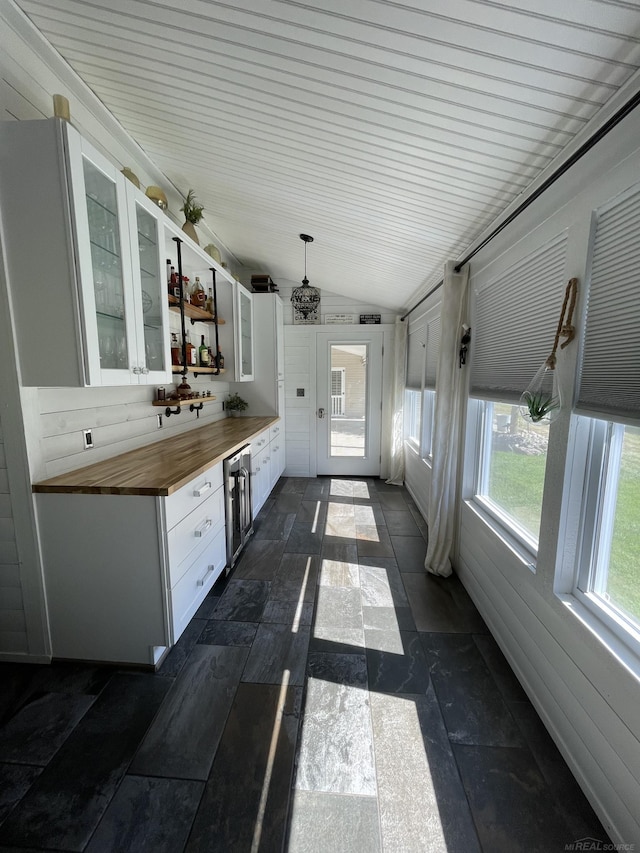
(320, 413)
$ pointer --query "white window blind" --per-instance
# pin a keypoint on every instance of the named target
(516, 315)
(610, 370)
(416, 342)
(433, 349)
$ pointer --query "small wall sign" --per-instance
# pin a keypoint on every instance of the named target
(339, 318)
(370, 318)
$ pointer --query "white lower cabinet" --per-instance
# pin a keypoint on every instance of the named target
(260, 471)
(124, 574)
(267, 464)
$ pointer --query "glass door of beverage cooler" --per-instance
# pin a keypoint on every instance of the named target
(107, 290)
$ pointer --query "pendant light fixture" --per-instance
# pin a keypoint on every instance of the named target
(305, 299)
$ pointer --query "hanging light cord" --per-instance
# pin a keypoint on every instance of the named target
(565, 325)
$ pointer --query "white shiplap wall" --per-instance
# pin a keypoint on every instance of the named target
(585, 685)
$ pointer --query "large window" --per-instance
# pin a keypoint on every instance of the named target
(428, 411)
(412, 417)
(609, 566)
(511, 470)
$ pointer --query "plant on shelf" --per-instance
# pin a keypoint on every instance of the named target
(191, 209)
(192, 215)
(234, 404)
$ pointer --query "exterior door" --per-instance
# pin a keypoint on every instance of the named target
(349, 400)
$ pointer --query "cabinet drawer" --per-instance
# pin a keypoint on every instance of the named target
(190, 591)
(188, 535)
(194, 493)
(275, 431)
(258, 444)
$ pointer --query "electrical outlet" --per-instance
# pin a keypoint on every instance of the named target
(88, 438)
(300, 392)
(159, 421)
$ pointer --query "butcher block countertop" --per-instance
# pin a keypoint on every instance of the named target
(162, 467)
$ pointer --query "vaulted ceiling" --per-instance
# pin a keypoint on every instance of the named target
(393, 132)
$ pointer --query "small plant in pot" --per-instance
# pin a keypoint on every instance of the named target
(192, 214)
(234, 404)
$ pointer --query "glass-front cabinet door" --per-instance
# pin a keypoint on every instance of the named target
(150, 289)
(104, 261)
(244, 334)
(119, 240)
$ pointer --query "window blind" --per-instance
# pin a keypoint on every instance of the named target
(515, 320)
(433, 349)
(610, 368)
(416, 342)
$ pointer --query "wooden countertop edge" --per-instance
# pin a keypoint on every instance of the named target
(85, 481)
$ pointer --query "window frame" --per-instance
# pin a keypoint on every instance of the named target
(598, 485)
(426, 427)
(415, 408)
(502, 523)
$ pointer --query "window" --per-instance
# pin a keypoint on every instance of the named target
(609, 568)
(428, 409)
(412, 417)
(511, 470)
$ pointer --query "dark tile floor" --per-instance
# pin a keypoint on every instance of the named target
(329, 696)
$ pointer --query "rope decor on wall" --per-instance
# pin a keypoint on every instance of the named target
(542, 400)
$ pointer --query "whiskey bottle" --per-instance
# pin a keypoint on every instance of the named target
(192, 357)
(220, 360)
(203, 353)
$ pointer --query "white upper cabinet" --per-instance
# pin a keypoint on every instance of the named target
(86, 273)
(244, 334)
(265, 395)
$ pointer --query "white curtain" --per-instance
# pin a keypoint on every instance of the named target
(396, 449)
(450, 391)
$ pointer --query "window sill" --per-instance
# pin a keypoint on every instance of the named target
(523, 555)
(625, 651)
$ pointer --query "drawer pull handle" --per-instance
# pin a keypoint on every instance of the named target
(206, 524)
(200, 581)
(197, 493)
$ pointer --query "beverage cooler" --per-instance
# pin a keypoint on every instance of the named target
(238, 504)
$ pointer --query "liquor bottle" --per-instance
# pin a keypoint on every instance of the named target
(208, 306)
(212, 358)
(203, 353)
(174, 286)
(192, 357)
(220, 360)
(198, 296)
(176, 349)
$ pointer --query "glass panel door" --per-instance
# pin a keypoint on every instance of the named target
(106, 260)
(246, 332)
(152, 291)
(348, 399)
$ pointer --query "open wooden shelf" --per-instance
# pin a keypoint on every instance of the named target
(196, 314)
(183, 401)
(193, 368)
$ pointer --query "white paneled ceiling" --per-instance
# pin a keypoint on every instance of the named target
(393, 132)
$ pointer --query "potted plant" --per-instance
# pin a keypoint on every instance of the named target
(192, 215)
(234, 404)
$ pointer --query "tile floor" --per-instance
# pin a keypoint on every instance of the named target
(329, 696)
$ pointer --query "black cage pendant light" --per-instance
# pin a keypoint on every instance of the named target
(305, 299)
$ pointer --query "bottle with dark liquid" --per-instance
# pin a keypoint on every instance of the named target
(203, 353)
(220, 360)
